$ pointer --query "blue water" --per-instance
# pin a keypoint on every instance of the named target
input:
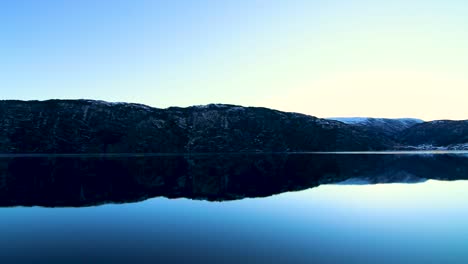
(383, 223)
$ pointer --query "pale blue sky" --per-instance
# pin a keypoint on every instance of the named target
(325, 58)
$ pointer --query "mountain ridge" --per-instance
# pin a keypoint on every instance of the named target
(93, 126)
(88, 126)
(388, 126)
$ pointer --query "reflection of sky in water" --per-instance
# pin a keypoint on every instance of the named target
(392, 223)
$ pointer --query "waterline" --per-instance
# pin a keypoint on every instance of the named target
(97, 155)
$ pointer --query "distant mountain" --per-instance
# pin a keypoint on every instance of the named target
(441, 133)
(415, 134)
(87, 126)
(387, 126)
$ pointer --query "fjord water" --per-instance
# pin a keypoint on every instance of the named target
(278, 208)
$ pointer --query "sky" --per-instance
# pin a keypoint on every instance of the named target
(333, 58)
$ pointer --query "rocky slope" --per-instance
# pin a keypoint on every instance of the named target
(86, 126)
(387, 126)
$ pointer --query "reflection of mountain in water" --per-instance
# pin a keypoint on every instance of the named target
(60, 181)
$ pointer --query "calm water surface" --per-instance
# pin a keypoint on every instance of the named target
(235, 209)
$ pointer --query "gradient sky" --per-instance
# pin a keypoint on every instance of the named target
(399, 58)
